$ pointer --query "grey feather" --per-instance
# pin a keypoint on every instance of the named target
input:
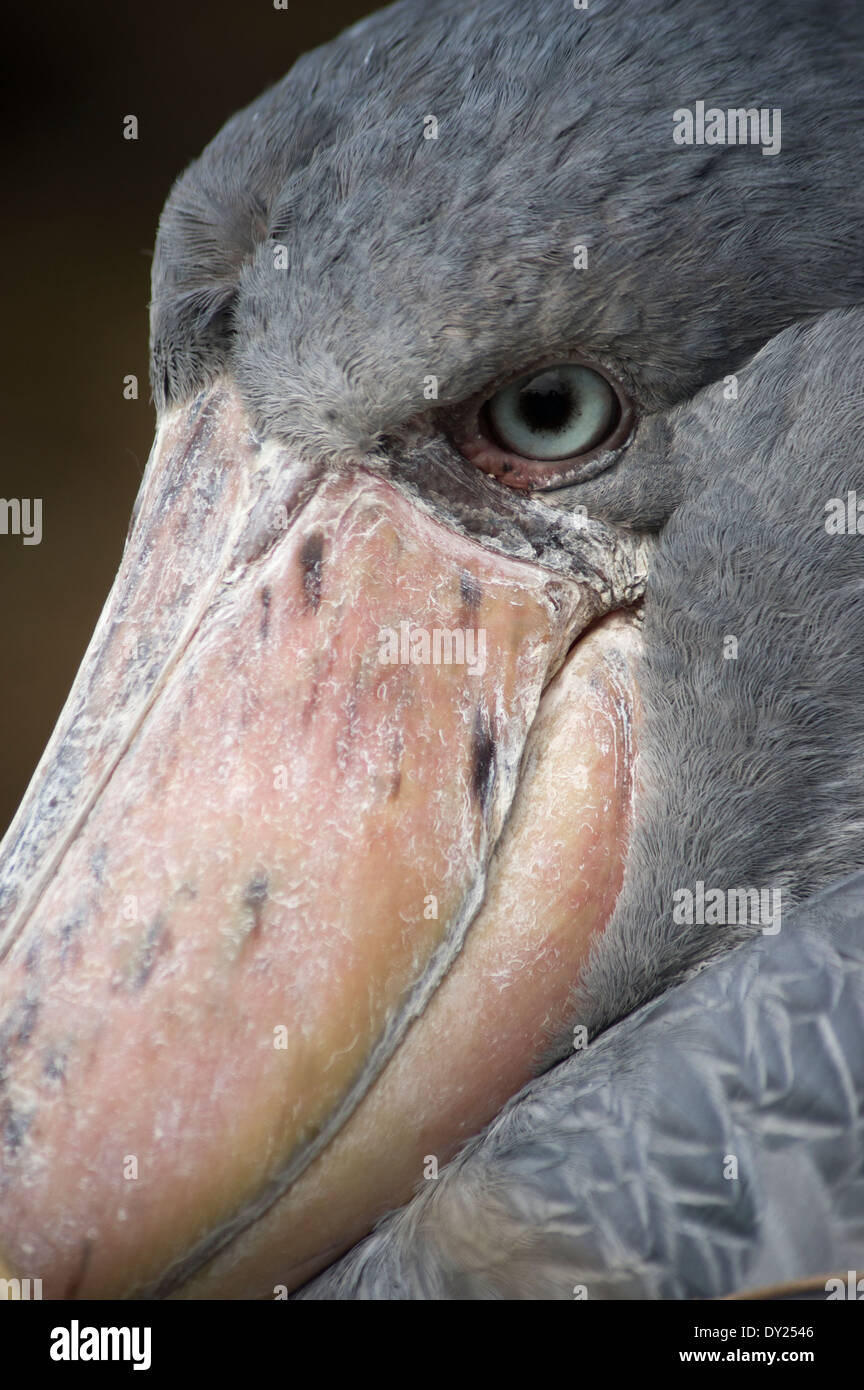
(453, 256)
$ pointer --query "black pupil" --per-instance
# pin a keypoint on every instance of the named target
(547, 402)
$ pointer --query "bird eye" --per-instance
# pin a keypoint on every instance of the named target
(555, 414)
(546, 428)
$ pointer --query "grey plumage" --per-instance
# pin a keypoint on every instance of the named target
(750, 767)
(454, 256)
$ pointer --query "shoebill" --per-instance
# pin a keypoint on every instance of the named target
(448, 815)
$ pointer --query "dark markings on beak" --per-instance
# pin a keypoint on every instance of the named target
(54, 1066)
(78, 1277)
(396, 783)
(205, 413)
(265, 616)
(18, 1029)
(156, 942)
(68, 932)
(483, 760)
(16, 1032)
(97, 862)
(9, 898)
(311, 562)
(206, 416)
(471, 590)
(13, 1127)
(256, 896)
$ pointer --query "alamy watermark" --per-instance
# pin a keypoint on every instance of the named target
(22, 516)
(849, 1288)
(740, 125)
(437, 646)
(20, 1290)
(757, 907)
(844, 516)
(77, 1343)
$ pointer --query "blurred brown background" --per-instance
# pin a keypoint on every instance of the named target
(80, 211)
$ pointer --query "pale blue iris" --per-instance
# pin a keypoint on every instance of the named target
(555, 414)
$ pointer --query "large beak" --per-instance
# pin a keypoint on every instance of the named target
(306, 875)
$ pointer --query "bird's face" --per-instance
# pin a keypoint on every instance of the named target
(414, 686)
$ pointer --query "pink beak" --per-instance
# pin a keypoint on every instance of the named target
(299, 893)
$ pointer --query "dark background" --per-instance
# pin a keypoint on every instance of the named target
(80, 207)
